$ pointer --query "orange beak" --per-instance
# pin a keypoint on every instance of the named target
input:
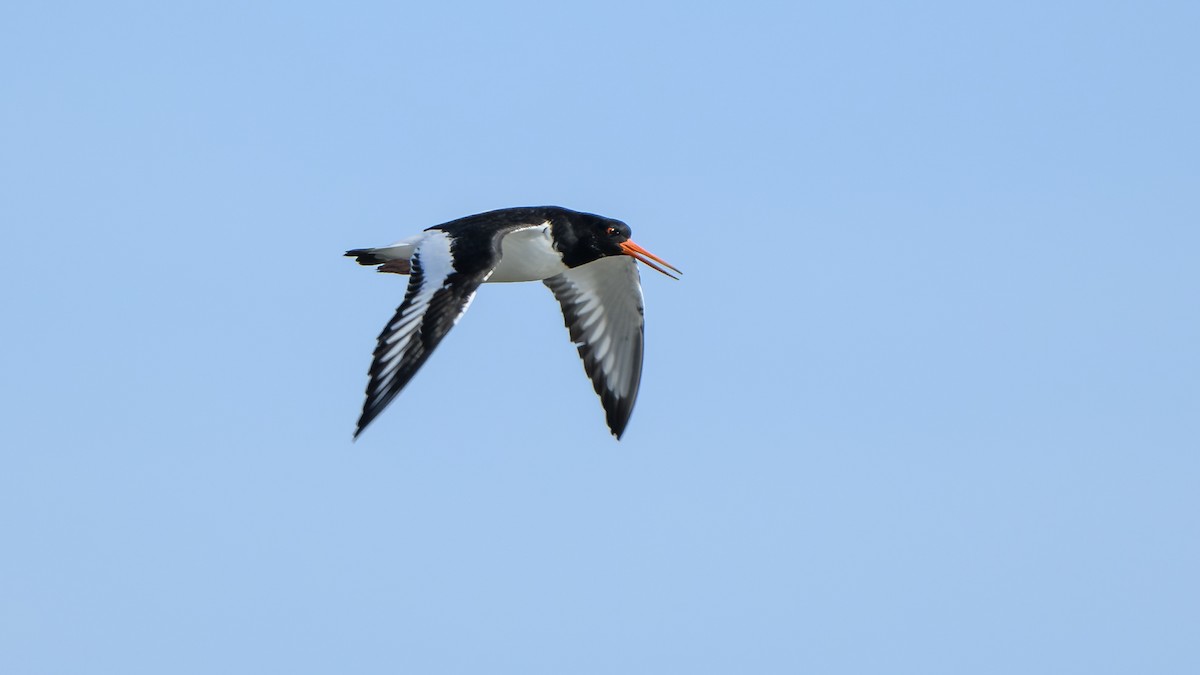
(639, 253)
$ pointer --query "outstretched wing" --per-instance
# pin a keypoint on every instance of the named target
(440, 289)
(602, 307)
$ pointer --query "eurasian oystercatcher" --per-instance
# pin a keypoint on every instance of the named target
(585, 259)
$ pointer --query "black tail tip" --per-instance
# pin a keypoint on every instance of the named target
(364, 256)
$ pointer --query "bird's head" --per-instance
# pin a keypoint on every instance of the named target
(596, 237)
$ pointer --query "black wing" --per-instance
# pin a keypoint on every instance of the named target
(602, 308)
(442, 283)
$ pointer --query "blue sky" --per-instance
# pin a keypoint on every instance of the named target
(927, 399)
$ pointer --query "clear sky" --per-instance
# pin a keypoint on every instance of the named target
(926, 400)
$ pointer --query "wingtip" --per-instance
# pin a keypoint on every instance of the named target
(617, 429)
(364, 420)
(361, 426)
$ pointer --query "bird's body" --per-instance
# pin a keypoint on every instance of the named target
(586, 260)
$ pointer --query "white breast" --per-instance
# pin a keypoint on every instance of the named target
(528, 255)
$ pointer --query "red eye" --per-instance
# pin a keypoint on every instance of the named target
(612, 232)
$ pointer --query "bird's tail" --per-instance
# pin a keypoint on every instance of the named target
(366, 256)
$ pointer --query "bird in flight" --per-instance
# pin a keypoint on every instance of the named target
(587, 261)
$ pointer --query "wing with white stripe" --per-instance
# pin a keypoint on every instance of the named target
(439, 291)
(602, 307)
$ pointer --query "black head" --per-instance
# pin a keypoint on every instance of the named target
(585, 237)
